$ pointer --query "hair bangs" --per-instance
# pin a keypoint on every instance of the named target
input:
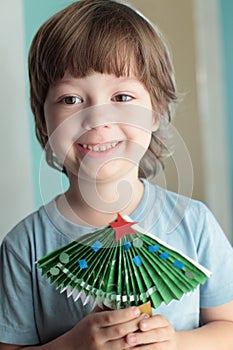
(92, 39)
(104, 49)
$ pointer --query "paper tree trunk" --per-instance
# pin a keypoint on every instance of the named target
(120, 266)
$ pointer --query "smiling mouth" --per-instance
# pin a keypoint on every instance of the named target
(99, 148)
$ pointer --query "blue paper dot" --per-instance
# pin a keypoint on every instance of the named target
(178, 264)
(127, 246)
(82, 264)
(137, 260)
(153, 248)
(96, 246)
(164, 256)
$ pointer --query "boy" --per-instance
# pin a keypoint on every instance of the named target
(102, 85)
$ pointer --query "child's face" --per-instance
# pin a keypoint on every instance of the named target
(100, 124)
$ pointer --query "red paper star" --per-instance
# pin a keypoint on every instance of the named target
(122, 227)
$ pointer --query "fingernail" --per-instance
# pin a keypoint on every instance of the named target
(143, 324)
(132, 339)
(136, 311)
(145, 316)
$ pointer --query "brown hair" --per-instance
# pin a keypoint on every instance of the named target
(107, 37)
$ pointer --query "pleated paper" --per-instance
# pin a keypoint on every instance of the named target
(120, 266)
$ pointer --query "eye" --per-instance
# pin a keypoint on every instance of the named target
(122, 98)
(71, 100)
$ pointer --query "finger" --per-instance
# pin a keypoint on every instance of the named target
(121, 330)
(114, 317)
(159, 335)
(117, 344)
(154, 346)
(154, 322)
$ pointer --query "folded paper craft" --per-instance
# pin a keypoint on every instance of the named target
(122, 265)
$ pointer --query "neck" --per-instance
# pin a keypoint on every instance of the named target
(92, 203)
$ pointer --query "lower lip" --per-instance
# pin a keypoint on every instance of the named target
(91, 153)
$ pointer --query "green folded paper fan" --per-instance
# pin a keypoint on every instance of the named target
(122, 265)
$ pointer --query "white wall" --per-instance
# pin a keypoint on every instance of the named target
(210, 82)
(15, 176)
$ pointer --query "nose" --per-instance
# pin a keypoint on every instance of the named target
(96, 117)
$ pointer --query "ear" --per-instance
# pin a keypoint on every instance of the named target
(155, 126)
(155, 122)
(44, 129)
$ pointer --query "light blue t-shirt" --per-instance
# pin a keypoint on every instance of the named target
(34, 312)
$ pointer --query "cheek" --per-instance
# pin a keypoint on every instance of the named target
(137, 116)
(49, 119)
(59, 132)
(137, 144)
(138, 135)
(53, 118)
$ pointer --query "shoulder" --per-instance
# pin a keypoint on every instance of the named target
(39, 233)
(186, 223)
(174, 211)
(27, 227)
(190, 226)
(30, 237)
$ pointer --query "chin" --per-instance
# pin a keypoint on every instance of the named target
(107, 173)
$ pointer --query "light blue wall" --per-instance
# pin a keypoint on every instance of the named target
(36, 12)
(16, 171)
(226, 19)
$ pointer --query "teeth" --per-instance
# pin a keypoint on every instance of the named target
(103, 148)
(100, 148)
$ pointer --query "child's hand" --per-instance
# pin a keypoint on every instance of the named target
(105, 330)
(156, 331)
